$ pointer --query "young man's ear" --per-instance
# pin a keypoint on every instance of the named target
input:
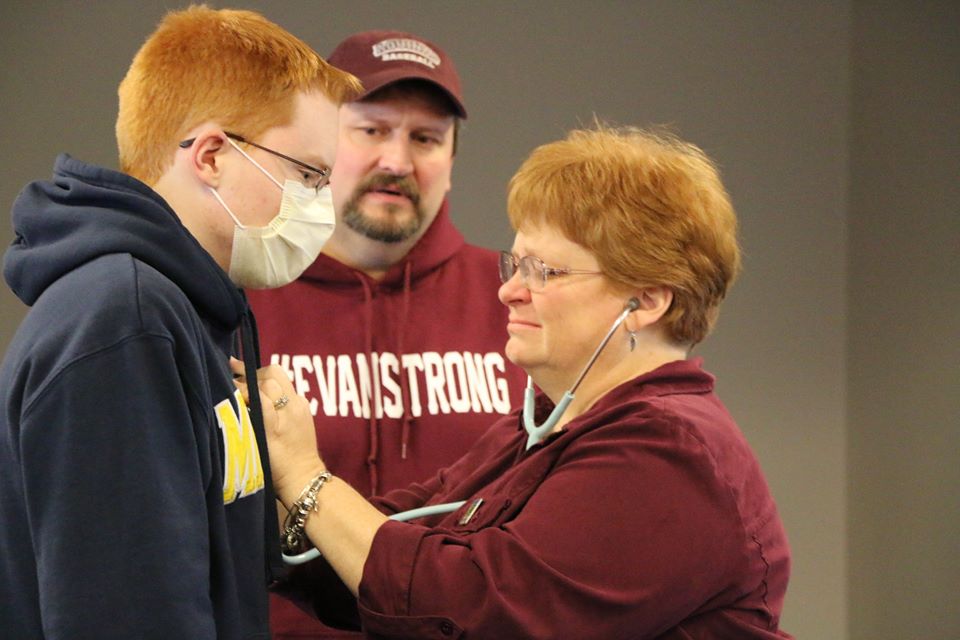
(205, 155)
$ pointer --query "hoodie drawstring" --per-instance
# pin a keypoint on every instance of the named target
(404, 383)
(250, 354)
(372, 422)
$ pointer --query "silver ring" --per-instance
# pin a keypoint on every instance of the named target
(281, 402)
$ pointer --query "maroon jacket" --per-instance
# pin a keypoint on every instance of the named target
(647, 517)
(403, 374)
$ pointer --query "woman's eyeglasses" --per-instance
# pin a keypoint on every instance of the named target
(533, 272)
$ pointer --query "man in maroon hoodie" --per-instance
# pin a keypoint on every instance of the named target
(395, 334)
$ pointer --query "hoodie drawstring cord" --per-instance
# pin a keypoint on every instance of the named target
(372, 423)
(404, 383)
(250, 354)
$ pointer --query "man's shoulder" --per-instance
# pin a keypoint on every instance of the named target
(137, 283)
(93, 309)
(117, 291)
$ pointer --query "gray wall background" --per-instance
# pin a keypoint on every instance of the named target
(836, 127)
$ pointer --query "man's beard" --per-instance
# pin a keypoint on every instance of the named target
(388, 230)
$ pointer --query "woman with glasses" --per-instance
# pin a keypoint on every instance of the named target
(622, 501)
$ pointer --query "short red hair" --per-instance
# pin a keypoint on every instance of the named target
(233, 67)
(649, 206)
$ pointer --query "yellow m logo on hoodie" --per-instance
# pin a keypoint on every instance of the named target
(242, 473)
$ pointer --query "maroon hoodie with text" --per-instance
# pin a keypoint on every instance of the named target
(403, 374)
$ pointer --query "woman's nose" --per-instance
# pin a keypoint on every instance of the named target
(513, 290)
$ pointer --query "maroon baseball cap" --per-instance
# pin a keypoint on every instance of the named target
(379, 58)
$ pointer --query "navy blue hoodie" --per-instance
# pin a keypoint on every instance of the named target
(132, 491)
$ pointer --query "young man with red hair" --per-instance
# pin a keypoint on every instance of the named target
(135, 496)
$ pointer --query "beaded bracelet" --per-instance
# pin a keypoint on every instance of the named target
(293, 538)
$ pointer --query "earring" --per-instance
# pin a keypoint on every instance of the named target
(633, 340)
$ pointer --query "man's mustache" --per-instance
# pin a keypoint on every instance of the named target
(404, 185)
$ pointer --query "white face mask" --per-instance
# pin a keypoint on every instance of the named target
(275, 255)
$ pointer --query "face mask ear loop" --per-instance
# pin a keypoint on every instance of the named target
(224, 205)
(255, 163)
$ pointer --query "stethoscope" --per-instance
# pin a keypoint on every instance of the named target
(535, 433)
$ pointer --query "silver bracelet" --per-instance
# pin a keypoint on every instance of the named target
(293, 540)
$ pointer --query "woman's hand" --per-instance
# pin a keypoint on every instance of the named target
(291, 436)
(344, 526)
